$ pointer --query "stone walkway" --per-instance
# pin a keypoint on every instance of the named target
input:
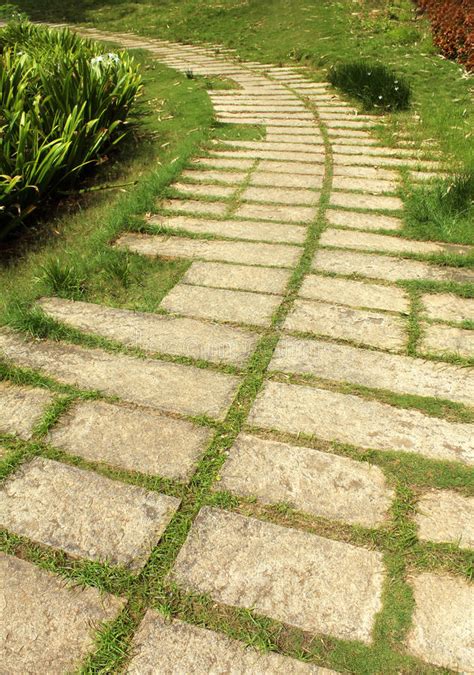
(335, 392)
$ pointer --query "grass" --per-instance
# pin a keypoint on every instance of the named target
(73, 259)
(375, 86)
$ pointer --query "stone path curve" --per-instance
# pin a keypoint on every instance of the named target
(339, 321)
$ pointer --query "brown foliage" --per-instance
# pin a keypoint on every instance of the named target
(452, 23)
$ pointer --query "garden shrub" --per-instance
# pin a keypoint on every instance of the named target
(62, 105)
(452, 23)
(375, 86)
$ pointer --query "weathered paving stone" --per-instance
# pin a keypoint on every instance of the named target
(282, 155)
(448, 307)
(157, 384)
(369, 160)
(21, 408)
(238, 277)
(359, 201)
(448, 340)
(367, 184)
(84, 514)
(311, 481)
(376, 266)
(335, 134)
(401, 374)
(284, 138)
(354, 293)
(349, 124)
(48, 625)
(363, 326)
(299, 409)
(285, 180)
(224, 163)
(221, 305)
(290, 214)
(442, 630)
(362, 221)
(316, 584)
(446, 516)
(281, 195)
(203, 190)
(227, 177)
(154, 332)
(293, 146)
(367, 150)
(366, 173)
(291, 167)
(250, 230)
(276, 255)
(134, 439)
(177, 647)
(380, 242)
(194, 206)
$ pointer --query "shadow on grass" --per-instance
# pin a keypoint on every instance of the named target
(60, 11)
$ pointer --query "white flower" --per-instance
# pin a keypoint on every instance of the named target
(106, 60)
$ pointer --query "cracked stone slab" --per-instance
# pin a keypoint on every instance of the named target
(446, 516)
(385, 267)
(134, 439)
(442, 629)
(448, 307)
(301, 579)
(311, 481)
(193, 207)
(275, 255)
(299, 409)
(366, 327)
(154, 332)
(226, 177)
(352, 200)
(290, 214)
(285, 180)
(355, 293)
(292, 167)
(160, 646)
(49, 625)
(149, 382)
(371, 185)
(281, 195)
(447, 340)
(238, 277)
(84, 514)
(221, 305)
(400, 374)
(362, 221)
(251, 230)
(380, 242)
(21, 408)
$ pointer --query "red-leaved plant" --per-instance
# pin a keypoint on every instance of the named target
(452, 23)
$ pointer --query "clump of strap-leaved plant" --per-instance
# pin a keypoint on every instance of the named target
(376, 86)
(63, 103)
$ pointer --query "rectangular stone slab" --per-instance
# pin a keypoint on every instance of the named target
(204, 190)
(290, 214)
(226, 177)
(315, 482)
(446, 516)
(160, 646)
(378, 242)
(224, 163)
(134, 439)
(275, 255)
(297, 409)
(280, 195)
(193, 207)
(355, 293)
(295, 167)
(21, 408)
(353, 200)
(367, 184)
(155, 332)
(221, 305)
(447, 340)
(251, 230)
(362, 221)
(400, 374)
(287, 180)
(157, 384)
(84, 514)
(365, 172)
(49, 625)
(346, 323)
(441, 630)
(448, 307)
(385, 267)
(316, 584)
(243, 277)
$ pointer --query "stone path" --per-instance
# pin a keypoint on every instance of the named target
(164, 390)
